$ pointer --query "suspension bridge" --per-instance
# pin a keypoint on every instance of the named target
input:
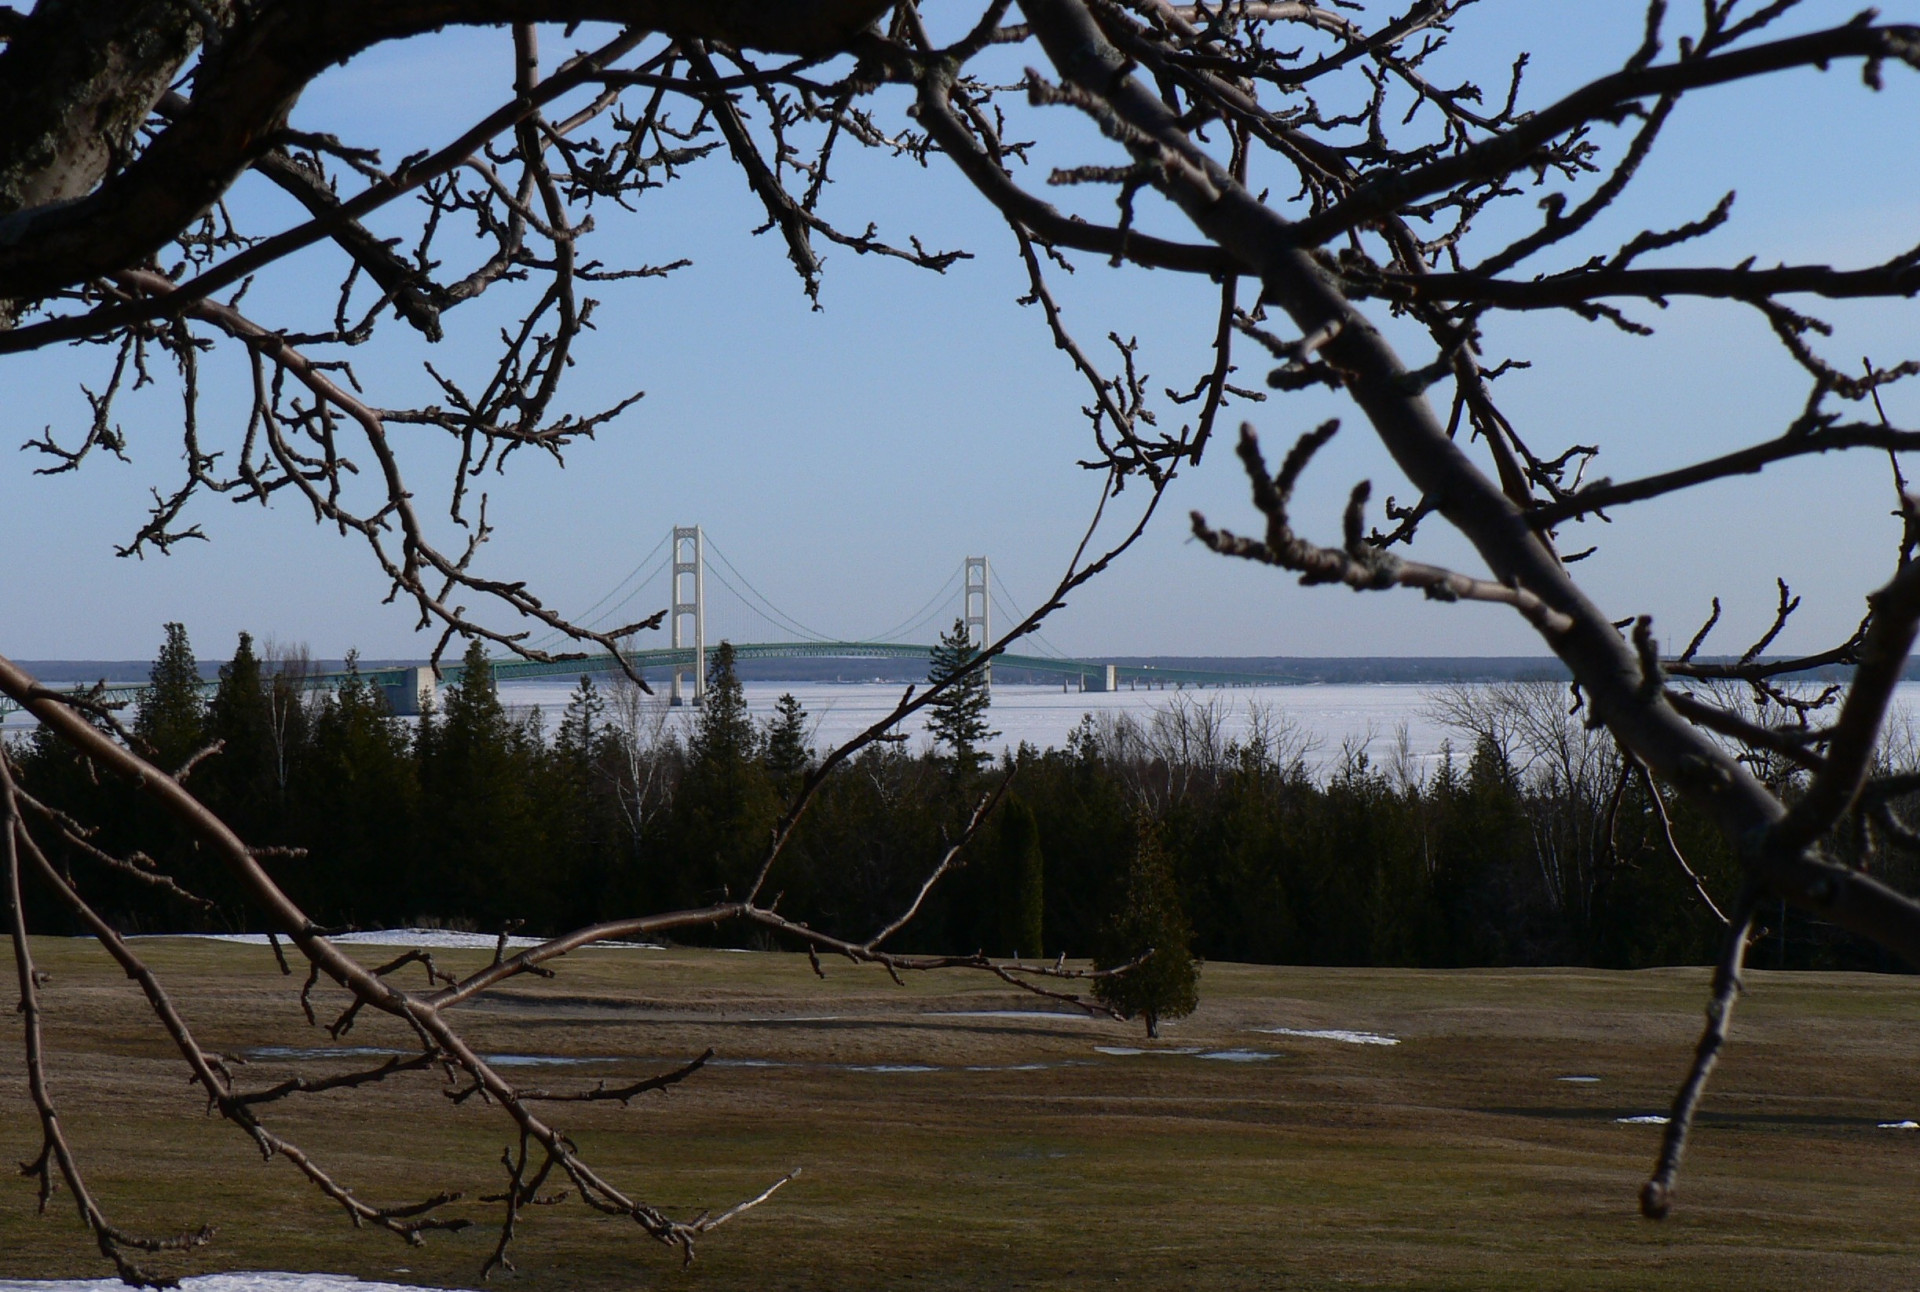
(702, 613)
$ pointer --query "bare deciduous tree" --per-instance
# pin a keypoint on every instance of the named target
(1303, 159)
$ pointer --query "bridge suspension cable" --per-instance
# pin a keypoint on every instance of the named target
(771, 612)
(590, 619)
(1015, 615)
(925, 613)
(644, 561)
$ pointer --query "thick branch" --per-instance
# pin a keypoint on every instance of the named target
(243, 93)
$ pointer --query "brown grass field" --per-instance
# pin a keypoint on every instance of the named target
(1455, 1159)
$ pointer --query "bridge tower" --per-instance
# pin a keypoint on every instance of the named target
(979, 609)
(689, 602)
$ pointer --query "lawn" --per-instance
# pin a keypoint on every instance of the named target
(946, 1146)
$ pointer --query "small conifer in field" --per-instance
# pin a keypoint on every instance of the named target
(1150, 917)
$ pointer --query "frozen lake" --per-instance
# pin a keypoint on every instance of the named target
(1371, 716)
(1368, 715)
(1327, 718)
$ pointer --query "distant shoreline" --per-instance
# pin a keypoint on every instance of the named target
(1284, 669)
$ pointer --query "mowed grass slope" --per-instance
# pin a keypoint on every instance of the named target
(1455, 1159)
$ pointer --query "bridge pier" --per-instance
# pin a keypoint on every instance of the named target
(414, 692)
(1106, 678)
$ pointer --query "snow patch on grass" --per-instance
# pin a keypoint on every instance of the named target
(251, 1281)
(1332, 1034)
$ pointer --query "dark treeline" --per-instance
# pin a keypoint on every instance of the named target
(1525, 845)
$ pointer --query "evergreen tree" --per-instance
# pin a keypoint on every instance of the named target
(957, 716)
(240, 781)
(725, 733)
(1150, 916)
(485, 855)
(787, 752)
(725, 803)
(172, 717)
(356, 795)
(580, 724)
(473, 711)
(578, 816)
(1021, 899)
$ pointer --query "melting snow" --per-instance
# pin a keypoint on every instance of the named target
(1012, 1067)
(1585, 1081)
(320, 1052)
(1900, 1125)
(1239, 1056)
(250, 1281)
(1126, 1050)
(893, 1067)
(1644, 1119)
(1332, 1034)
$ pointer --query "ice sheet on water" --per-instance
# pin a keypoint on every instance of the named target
(250, 1281)
(1580, 1081)
(1124, 1051)
(1239, 1056)
(1362, 714)
(1332, 1034)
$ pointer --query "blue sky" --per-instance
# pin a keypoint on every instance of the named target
(846, 459)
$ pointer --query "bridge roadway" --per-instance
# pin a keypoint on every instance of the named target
(1090, 675)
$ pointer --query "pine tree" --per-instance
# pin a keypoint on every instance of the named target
(1022, 895)
(357, 803)
(240, 781)
(172, 717)
(787, 750)
(958, 714)
(473, 710)
(725, 803)
(1152, 917)
(725, 733)
(581, 723)
(484, 851)
(584, 866)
